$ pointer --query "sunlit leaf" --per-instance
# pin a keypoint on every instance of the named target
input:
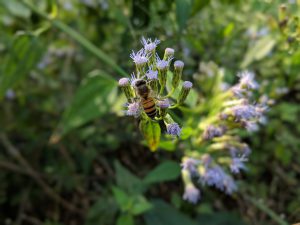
(151, 131)
(260, 49)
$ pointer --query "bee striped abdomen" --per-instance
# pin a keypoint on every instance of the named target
(149, 107)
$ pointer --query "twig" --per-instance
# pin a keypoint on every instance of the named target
(14, 152)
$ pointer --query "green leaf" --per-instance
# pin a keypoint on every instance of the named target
(164, 214)
(198, 5)
(151, 131)
(95, 97)
(16, 8)
(183, 10)
(122, 198)
(140, 205)
(166, 171)
(186, 132)
(24, 54)
(260, 49)
(103, 211)
(125, 219)
(167, 145)
(127, 181)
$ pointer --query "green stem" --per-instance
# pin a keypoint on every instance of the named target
(169, 94)
(92, 48)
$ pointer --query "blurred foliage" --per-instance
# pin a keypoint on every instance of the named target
(68, 157)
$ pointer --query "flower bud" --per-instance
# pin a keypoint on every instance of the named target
(178, 67)
(124, 83)
(185, 90)
(162, 67)
(169, 53)
(163, 106)
(153, 80)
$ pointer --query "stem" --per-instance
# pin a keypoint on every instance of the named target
(92, 48)
(169, 94)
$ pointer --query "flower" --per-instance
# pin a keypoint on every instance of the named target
(187, 85)
(169, 52)
(190, 164)
(124, 82)
(173, 129)
(151, 74)
(215, 176)
(237, 164)
(212, 131)
(133, 109)
(247, 80)
(162, 64)
(133, 79)
(139, 58)
(184, 92)
(164, 103)
(246, 112)
(250, 126)
(149, 45)
(237, 161)
(191, 193)
(178, 64)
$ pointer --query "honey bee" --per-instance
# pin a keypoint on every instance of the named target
(147, 102)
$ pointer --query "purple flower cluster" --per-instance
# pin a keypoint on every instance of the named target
(208, 173)
(133, 109)
(212, 131)
(173, 129)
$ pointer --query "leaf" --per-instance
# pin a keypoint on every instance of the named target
(164, 214)
(151, 131)
(183, 9)
(166, 171)
(24, 54)
(95, 97)
(186, 132)
(199, 5)
(102, 212)
(16, 8)
(128, 181)
(122, 198)
(140, 205)
(260, 49)
(125, 219)
(167, 145)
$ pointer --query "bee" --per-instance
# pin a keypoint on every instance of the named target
(147, 102)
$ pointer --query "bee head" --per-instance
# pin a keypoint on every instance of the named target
(140, 82)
